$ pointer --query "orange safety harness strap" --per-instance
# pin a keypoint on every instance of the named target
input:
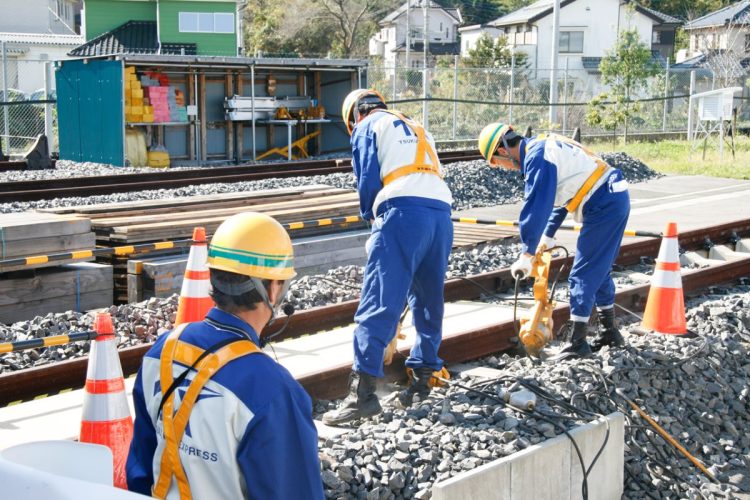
(601, 167)
(423, 147)
(176, 423)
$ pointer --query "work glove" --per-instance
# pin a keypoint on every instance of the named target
(547, 241)
(521, 267)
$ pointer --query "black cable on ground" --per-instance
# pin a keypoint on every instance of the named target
(541, 416)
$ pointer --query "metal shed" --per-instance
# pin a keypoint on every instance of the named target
(92, 118)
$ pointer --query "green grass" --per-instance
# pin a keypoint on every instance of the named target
(675, 157)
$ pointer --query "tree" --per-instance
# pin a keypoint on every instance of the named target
(353, 22)
(625, 70)
(492, 54)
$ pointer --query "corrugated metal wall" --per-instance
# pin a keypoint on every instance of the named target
(90, 111)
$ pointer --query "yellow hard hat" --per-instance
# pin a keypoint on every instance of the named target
(348, 109)
(490, 137)
(254, 245)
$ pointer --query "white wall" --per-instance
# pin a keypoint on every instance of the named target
(35, 16)
(28, 68)
(598, 19)
(732, 39)
(469, 37)
(392, 35)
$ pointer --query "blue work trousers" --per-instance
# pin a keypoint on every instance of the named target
(408, 255)
(605, 216)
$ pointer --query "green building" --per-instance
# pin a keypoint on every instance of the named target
(185, 27)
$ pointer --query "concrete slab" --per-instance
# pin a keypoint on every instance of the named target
(59, 416)
(548, 470)
(306, 355)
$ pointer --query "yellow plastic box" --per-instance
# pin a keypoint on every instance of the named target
(136, 93)
(136, 110)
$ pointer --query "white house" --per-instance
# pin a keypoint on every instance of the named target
(33, 32)
(726, 30)
(391, 41)
(40, 16)
(588, 28)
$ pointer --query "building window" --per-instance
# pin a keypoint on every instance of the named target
(206, 22)
(224, 23)
(571, 42)
(655, 37)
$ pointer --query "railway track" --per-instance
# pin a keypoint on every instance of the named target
(110, 184)
(470, 344)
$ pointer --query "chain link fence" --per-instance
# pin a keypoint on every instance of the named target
(456, 102)
(27, 103)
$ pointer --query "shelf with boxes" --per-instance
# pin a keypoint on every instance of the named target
(150, 99)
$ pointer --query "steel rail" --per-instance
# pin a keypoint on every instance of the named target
(109, 184)
(331, 382)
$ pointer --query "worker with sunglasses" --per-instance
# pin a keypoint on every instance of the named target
(562, 177)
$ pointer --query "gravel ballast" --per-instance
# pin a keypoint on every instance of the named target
(472, 183)
(697, 389)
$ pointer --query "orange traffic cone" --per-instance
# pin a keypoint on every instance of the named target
(665, 307)
(106, 417)
(194, 299)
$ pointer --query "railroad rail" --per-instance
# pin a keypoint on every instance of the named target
(110, 184)
(471, 344)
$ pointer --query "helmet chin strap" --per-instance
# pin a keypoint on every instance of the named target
(253, 283)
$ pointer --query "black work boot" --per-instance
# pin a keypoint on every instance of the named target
(576, 346)
(360, 403)
(419, 386)
(608, 334)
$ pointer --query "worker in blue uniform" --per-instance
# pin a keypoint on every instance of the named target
(562, 177)
(215, 417)
(403, 195)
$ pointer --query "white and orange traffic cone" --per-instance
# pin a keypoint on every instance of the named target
(665, 307)
(195, 301)
(106, 417)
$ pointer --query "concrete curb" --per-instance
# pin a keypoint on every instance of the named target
(550, 469)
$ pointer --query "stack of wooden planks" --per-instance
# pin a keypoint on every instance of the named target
(169, 219)
(162, 276)
(76, 287)
(118, 224)
(27, 234)
(25, 289)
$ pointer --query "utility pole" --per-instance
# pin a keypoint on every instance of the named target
(426, 34)
(553, 67)
(408, 33)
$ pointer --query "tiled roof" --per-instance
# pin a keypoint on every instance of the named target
(435, 49)
(737, 13)
(542, 8)
(660, 16)
(133, 37)
(41, 39)
(454, 13)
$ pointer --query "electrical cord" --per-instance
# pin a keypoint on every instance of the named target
(542, 416)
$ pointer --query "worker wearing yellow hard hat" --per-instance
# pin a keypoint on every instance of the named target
(214, 416)
(562, 177)
(402, 192)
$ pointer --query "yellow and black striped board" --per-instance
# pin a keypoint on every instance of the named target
(6, 265)
(22, 345)
(567, 227)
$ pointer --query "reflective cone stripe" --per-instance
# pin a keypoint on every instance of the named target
(665, 307)
(106, 417)
(194, 301)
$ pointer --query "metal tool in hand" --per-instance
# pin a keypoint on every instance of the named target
(536, 325)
